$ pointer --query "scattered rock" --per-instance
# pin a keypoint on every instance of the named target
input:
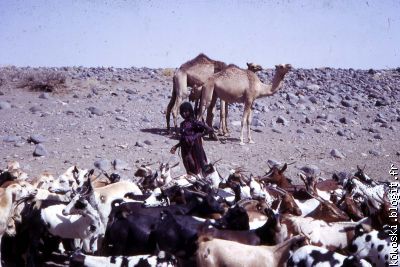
(257, 123)
(140, 144)
(282, 120)
(96, 111)
(381, 103)
(130, 92)
(147, 142)
(40, 151)
(337, 154)
(121, 118)
(37, 139)
(4, 105)
(44, 96)
(313, 87)
(103, 164)
(311, 170)
(120, 164)
(313, 99)
(35, 109)
(374, 152)
(12, 138)
(346, 103)
(271, 163)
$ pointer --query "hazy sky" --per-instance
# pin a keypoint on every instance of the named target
(306, 33)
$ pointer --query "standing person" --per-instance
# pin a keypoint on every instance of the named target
(191, 143)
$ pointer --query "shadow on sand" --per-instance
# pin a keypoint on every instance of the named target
(164, 132)
(160, 131)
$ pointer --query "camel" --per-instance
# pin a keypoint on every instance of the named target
(254, 67)
(234, 84)
(191, 74)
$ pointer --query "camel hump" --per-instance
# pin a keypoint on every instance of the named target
(201, 59)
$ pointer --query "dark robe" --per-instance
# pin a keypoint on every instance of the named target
(193, 155)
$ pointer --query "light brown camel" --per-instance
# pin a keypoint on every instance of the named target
(234, 84)
(223, 126)
(254, 67)
(191, 74)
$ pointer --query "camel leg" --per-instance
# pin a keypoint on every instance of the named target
(221, 118)
(180, 89)
(169, 108)
(249, 119)
(244, 120)
(175, 110)
(210, 113)
(226, 130)
(206, 96)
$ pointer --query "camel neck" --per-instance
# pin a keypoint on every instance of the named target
(272, 88)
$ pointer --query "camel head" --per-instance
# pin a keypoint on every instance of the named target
(254, 67)
(283, 69)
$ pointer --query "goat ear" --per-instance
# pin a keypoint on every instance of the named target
(91, 172)
(283, 168)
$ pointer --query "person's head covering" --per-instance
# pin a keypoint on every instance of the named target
(186, 106)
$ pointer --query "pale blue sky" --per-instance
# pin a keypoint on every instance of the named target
(330, 33)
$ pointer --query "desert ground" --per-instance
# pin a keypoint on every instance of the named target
(323, 120)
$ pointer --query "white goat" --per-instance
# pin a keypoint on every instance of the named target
(373, 245)
(309, 256)
(329, 235)
(79, 259)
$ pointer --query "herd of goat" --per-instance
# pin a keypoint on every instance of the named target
(156, 219)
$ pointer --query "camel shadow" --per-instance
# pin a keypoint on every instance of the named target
(160, 131)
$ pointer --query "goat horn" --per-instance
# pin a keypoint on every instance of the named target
(173, 166)
(276, 211)
(215, 162)
(278, 189)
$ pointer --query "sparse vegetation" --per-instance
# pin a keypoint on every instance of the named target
(43, 80)
(168, 72)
